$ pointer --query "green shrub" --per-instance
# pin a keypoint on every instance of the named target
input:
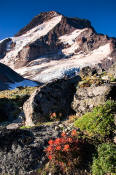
(100, 122)
(105, 161)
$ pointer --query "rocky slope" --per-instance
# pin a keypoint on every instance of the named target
(23, 150)
(53, 46)
(9, 79)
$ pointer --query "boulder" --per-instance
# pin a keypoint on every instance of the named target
(88, 97)
(17, 123)
(55, 97)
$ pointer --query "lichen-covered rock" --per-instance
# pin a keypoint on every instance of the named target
(88, 97)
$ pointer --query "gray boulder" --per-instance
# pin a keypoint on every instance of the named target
(88, 97)
(55, 97)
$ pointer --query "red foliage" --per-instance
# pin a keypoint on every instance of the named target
(51, 142)
(49, 157)
(63, 134)
(66, 147)
(53, 116)
(58, 148)
(49, 148)
(64, 151)
(74, 133)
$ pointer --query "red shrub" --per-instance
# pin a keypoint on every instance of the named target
(65, 151)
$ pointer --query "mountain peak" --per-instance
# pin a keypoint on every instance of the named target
(46, 16)
(49, 13)
(53, 46)
(37, 20)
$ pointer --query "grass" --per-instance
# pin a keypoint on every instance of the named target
(37, 124)
(17, 95)
(90, 80)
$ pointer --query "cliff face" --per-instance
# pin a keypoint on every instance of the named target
(52, 45)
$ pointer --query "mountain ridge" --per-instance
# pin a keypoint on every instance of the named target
(52, 45)
(45, 16)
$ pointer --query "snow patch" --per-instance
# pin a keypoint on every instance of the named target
(54, 69)
(70, 50)
(23, 83)
(70, 38)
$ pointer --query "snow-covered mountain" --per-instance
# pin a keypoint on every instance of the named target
(52, 46)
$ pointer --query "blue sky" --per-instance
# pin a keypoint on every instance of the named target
(15, 14)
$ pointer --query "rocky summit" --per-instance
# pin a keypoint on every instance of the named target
(65, 123)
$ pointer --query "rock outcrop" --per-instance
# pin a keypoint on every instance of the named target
(88, 97)
(112, 70)
(55, 97)
(4, 47)
(22, 151)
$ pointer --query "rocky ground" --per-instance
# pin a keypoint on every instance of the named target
(22, 150)
(23, 141)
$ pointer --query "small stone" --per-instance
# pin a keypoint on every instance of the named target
(57, 128)
(61, 125)
(12, 126)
